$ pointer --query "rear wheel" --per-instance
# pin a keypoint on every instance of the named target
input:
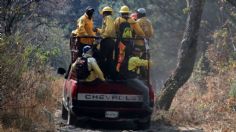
(64, 113)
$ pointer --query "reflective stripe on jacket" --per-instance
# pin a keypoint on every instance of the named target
(108, 28)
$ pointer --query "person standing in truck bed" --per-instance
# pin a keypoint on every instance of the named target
(85, 28)
(108, 33)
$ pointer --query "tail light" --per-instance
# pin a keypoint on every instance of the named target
(151, 96)
(74, 90)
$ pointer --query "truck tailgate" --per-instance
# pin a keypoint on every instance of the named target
(110, 95)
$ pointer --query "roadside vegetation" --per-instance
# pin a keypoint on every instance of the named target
(34, 42)
(208, 99)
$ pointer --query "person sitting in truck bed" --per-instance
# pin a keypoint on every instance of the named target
(133, 76)
(94, 72)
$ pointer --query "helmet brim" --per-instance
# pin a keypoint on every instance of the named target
(124, 11)
(101, 12)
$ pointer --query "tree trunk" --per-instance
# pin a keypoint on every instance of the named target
(186, 56)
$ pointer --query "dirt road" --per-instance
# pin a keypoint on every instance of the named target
(91, 126)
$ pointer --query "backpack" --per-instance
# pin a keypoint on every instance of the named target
(82, 68)
(125, 30)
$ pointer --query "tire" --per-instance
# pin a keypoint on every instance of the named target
(64, 113)
(143, 125)
(71, 119)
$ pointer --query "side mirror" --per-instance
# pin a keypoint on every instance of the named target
(61, 71)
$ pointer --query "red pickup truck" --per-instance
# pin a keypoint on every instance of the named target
(105, 101)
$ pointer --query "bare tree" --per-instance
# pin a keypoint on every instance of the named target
(14, 11)
(186, 57)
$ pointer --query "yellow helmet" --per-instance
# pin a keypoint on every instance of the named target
(124, 9)
(107, 8)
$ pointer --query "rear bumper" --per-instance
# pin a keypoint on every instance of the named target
(98, 113)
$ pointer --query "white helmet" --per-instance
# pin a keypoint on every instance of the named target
(141, 11)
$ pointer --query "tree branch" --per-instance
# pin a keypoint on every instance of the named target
(232, 2)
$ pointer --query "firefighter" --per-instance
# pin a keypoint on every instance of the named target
(146, 26)
(125, 28)
(107, 32)
(92, 66)
(133, 75)
(85, 28)
(124, 10)
(135, 63)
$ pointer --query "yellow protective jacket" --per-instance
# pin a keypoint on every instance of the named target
(95, 71)
(135, 63)
(85, 28)
(147, 28)
(138, 33)
(133, 24)
(108, 28)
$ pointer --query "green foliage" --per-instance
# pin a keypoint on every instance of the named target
(44, 55)
(232, 19)
(34, 42)
(186, 10)
(202, 69)
(232, 92)
(203, 64)
(12, 60)
(233, 56)
(225, 54)
(221, 34)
